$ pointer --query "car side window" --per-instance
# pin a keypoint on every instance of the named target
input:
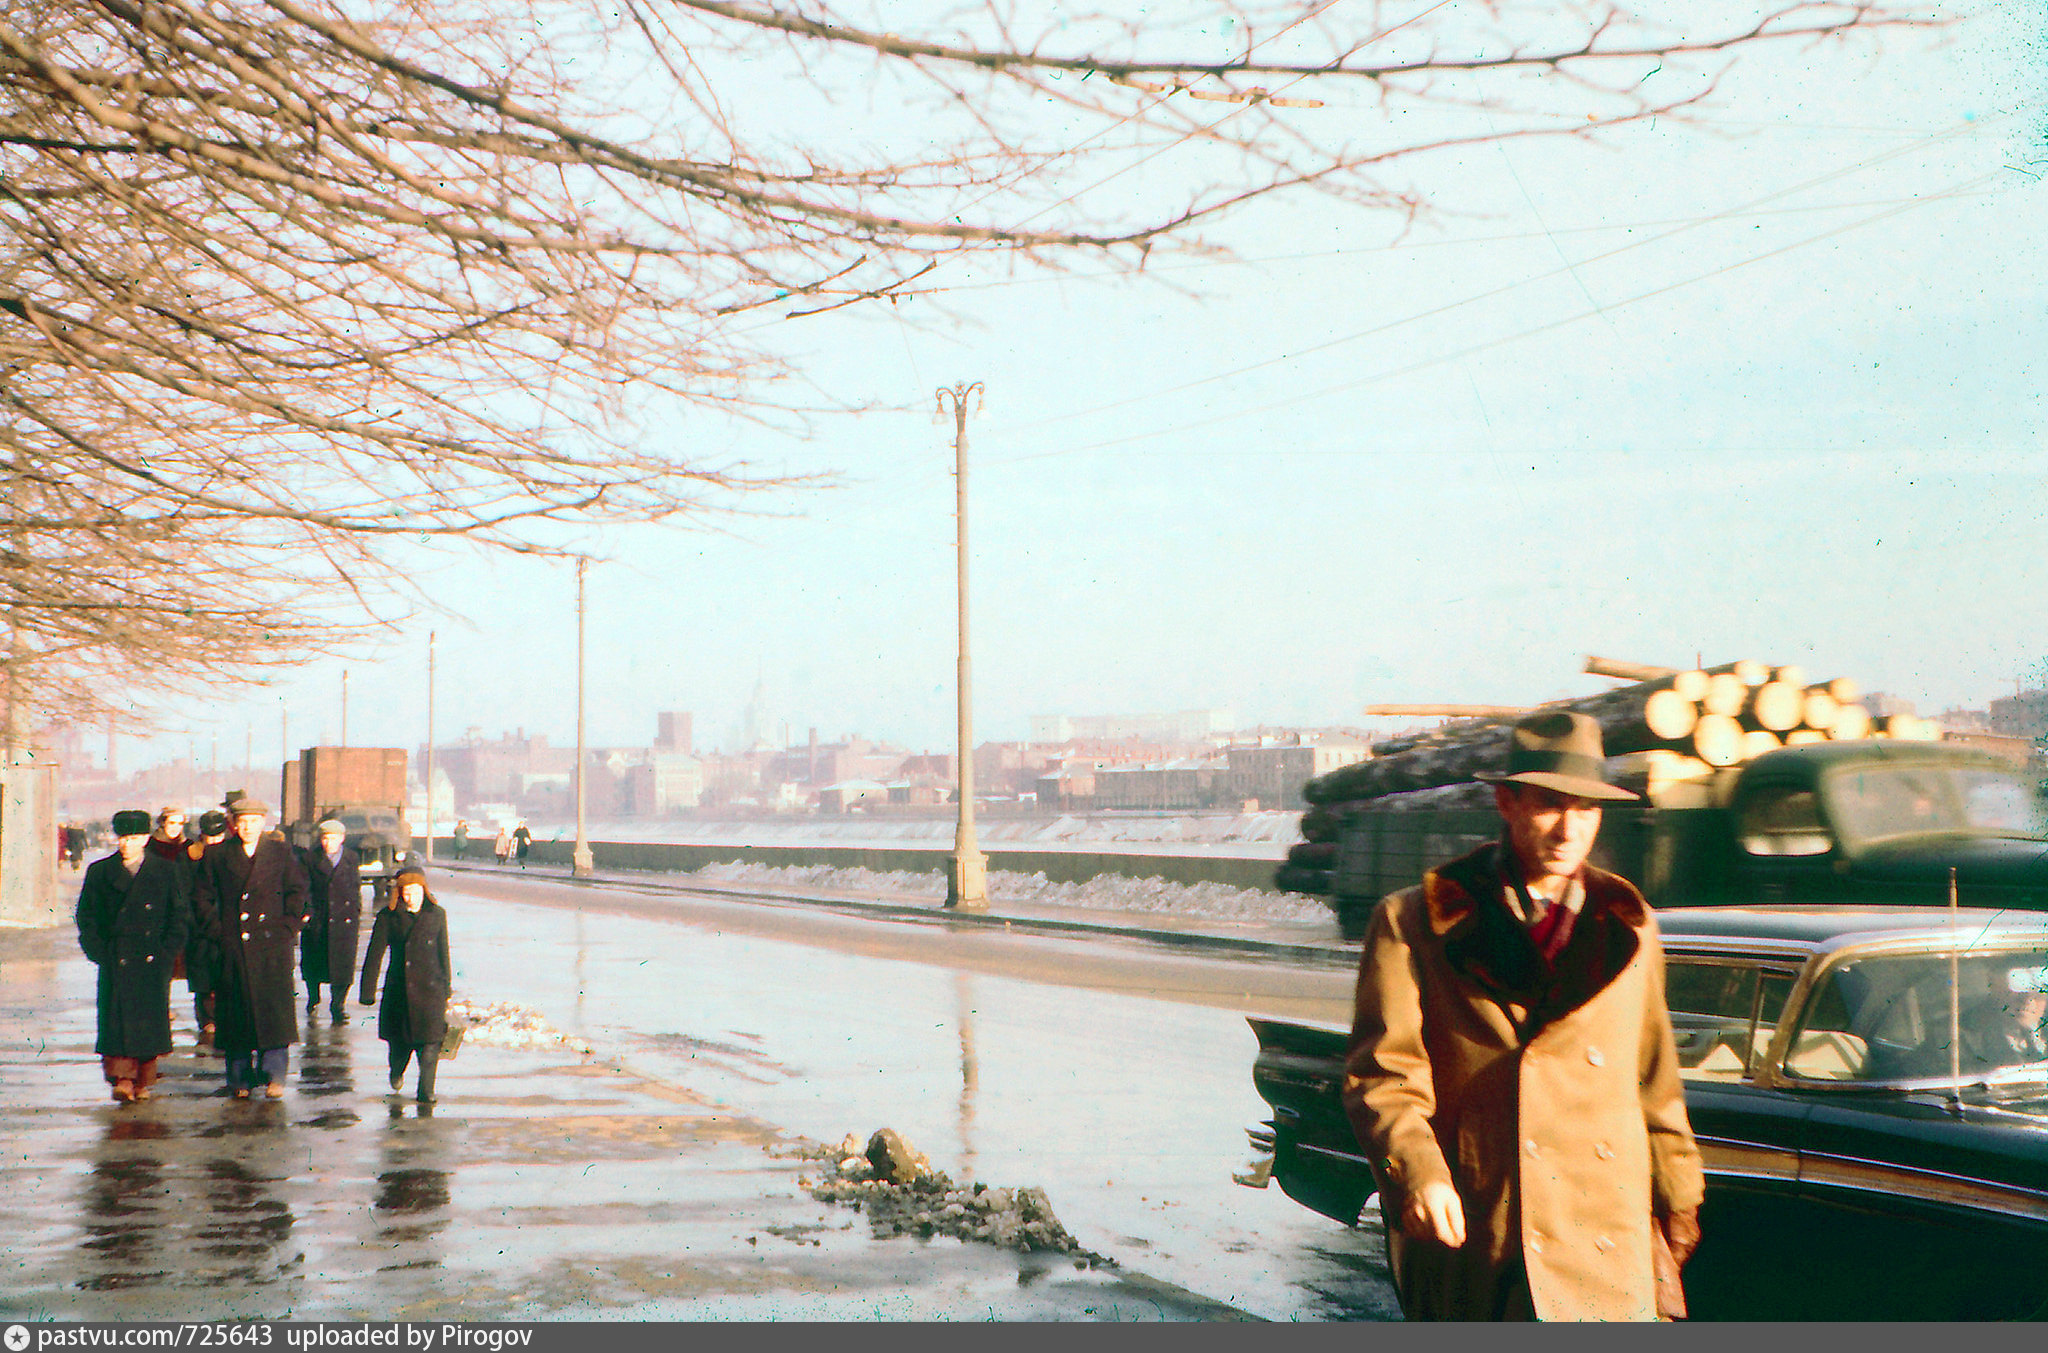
(1722, 1015)
(1784, 821)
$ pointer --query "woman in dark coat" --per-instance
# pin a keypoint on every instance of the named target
(134, 908)
(251, 897)
(327, 946)
(413, 1018)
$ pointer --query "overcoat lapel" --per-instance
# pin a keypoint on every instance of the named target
(1488, 946)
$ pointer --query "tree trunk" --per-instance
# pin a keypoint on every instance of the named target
(1776, 706)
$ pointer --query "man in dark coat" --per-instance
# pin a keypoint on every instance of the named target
(134, 908)
(202, 951)
(327, 946)
(252, 899)
(413, 1018)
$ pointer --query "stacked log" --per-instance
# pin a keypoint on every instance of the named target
(1667, 733)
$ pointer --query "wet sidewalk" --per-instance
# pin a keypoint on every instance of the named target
(545, 1184)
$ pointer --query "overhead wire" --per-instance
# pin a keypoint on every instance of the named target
(1686, 225)
(1474, 349)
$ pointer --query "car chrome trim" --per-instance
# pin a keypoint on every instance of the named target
(1929, 1186)
(1348, 1157)
(1747, 1160)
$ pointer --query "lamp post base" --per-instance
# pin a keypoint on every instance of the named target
(967, 882)
(582, 864)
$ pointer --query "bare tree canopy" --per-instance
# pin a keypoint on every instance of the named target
(284, 280)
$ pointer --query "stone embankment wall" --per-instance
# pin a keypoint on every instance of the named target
(1059, 866)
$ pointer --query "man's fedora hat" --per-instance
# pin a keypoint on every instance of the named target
(1557, 749)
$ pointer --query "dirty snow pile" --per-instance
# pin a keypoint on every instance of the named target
(903, 1195)
(1104, 892)
(1121, 892)
(502, 1024)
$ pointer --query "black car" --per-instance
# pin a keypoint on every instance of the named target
(1869, 1089)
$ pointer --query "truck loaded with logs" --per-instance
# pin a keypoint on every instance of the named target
(1757, 785)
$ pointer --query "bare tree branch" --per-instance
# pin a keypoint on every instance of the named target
(283, 282)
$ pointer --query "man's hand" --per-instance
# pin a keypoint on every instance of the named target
(1681, 1233)
(1434, 1213)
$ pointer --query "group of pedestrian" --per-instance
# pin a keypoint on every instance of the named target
(512, 840)
(232, 909)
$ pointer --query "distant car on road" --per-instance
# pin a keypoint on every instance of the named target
(1869, 1089)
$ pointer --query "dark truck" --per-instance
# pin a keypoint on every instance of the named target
(364, 789)
(1877, 821)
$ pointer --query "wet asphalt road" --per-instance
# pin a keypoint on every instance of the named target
(655, 1178)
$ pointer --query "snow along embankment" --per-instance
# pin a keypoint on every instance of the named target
(1104, 892)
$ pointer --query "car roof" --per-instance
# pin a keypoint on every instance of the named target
(1818, 928)
(1820, 756)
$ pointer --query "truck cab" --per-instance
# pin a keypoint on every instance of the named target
(1873, 821)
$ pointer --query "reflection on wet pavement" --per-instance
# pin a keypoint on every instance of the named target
(123, 1231)
(643, 1182)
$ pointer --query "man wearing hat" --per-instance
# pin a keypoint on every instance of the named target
(202, 951)
(1511, 1068)
(327, 946)
(134, 907)
(252, 900)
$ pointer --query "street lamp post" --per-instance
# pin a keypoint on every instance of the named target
(430, 746)
(582, 865)
(967, 884)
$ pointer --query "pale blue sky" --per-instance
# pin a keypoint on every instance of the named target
(1771, 389)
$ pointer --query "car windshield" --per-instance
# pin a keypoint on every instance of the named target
(1888, 1019)
(1872, 802)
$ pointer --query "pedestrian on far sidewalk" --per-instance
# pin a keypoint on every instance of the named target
(133, 910)
(461, 837)
(502, 847)
(523, 840)
(413, 1015)
(252, 899)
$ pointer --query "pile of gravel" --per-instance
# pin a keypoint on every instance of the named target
(903, 1196)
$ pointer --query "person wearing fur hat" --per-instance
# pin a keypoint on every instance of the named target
(251, 898)
(1512, 1072)
(413, 1016)
(134, 907)
(327, 946)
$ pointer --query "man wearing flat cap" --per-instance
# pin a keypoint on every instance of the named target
(327, 946)
(1511, 1068)
(251, 898)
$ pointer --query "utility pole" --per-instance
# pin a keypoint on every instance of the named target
(430, 746)
(967, 884)
(581, 863)
(344, 706)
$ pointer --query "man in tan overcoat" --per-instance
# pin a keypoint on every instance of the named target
(1511, 1068)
